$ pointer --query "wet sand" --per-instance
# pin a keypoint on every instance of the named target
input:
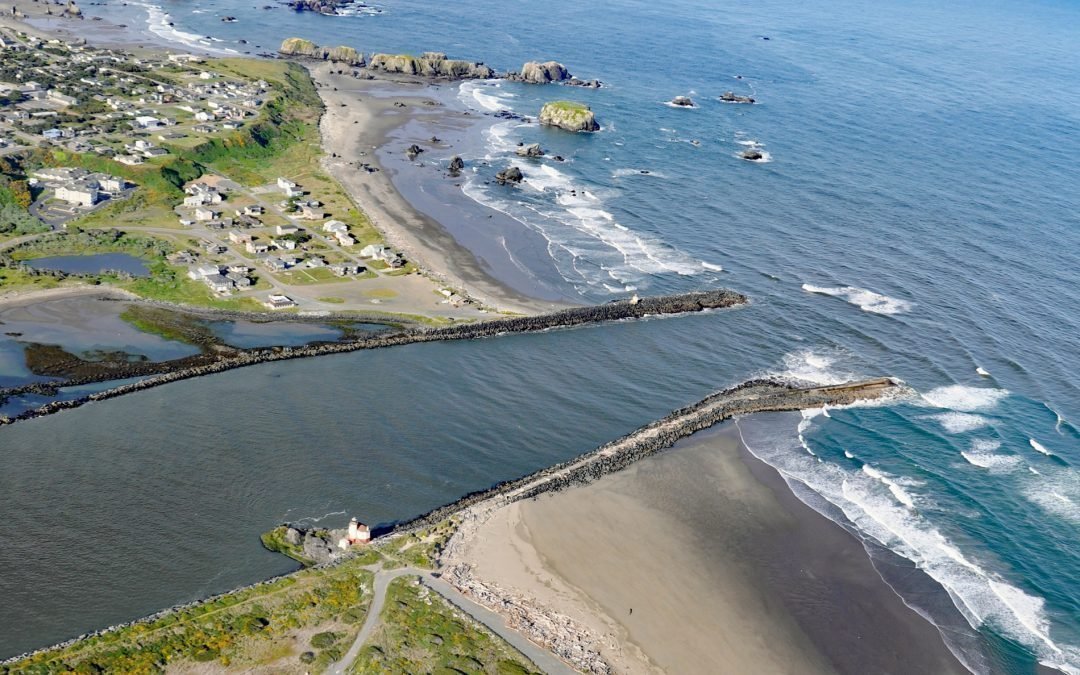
(724, 569)
(357, 122)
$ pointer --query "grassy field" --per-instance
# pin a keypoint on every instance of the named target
(272, 626)
(420, 632)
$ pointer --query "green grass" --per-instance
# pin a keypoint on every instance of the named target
(170, 325)
(274, 540)
(249, 628)
(421, 633)
(332, 300)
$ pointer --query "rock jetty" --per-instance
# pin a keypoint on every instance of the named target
(240, 358)
(569, 115)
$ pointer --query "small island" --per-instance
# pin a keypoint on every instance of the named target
(569, 115)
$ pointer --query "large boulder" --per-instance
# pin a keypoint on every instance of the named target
(732, 97)
(456, 165)
(511, 175)
(569, 115)
(532, 150)
(683, 101)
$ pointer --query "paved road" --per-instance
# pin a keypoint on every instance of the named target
(543, 659)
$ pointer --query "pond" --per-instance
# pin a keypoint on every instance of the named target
(92, 264)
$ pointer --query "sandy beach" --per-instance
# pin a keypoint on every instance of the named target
(701, 560)
(354, 125)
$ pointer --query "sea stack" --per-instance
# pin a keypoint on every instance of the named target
(535, 72)
(308, 49)
(569, 115)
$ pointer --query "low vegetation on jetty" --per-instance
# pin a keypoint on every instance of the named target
(216, 361)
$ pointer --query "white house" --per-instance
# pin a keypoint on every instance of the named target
(204, 214)
(344, 238)
(279, 301)
(78, 195)
(287, 229)
(203, 271)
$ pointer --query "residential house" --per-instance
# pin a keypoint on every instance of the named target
(279, 301)
(204, 214)
(203, 271)
(287, 229)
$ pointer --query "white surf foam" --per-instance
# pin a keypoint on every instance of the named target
(484, 95)
(1039, 447)
(585, 240)
(880, 514)
(958, 422)
(813, 366)
(1058, 494)
(982, 371)
(982, 454)
(157, 20)
(848, 454)
(623, 173)
(963, 398)
(864, 299)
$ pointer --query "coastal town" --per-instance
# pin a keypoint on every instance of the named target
(158, 144)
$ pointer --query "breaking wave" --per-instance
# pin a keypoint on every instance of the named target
(864, 299)
(963, 398)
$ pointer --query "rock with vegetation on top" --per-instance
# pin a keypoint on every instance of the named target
(569, 115)
(308, 49)
(431, 64)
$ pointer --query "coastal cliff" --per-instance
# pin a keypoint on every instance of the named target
(569, 115)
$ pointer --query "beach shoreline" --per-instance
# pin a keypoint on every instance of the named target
(356, 126)
(654, 566)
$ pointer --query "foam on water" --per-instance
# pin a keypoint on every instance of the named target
(813, 366)
(157, 20)
(487, 94)
(958, 422)
(982, 454)
(1039, 447)
(883, 511)
(964, 398)
(864, 299)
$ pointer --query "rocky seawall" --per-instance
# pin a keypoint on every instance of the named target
(219, 361)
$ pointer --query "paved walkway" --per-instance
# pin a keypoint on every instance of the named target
(545, 660)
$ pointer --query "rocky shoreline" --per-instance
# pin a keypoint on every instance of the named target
(221, 361)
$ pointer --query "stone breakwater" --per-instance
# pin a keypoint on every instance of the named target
(555, 631)
(548, 628)
(235, 358)
(753, 396)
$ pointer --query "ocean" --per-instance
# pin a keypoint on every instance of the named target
(914, 214)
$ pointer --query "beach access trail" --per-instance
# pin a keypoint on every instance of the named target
(495, 623)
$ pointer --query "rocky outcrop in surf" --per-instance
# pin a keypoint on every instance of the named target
(569, 115)
(240, 358)
(308, 49)
(535, 72)
(732, 97)
(683, 102)
(430, 64)
(532, 150)
(511, 175)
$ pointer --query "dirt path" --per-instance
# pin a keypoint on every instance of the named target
(543, 659)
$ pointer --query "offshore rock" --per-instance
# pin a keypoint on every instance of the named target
(683, 101)
(308, 49)
(732, 97)
(413, 150)
(531, 150)
(511, 175)
(430, 64)
(569, 115)
(535, 72)
(456, 165)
